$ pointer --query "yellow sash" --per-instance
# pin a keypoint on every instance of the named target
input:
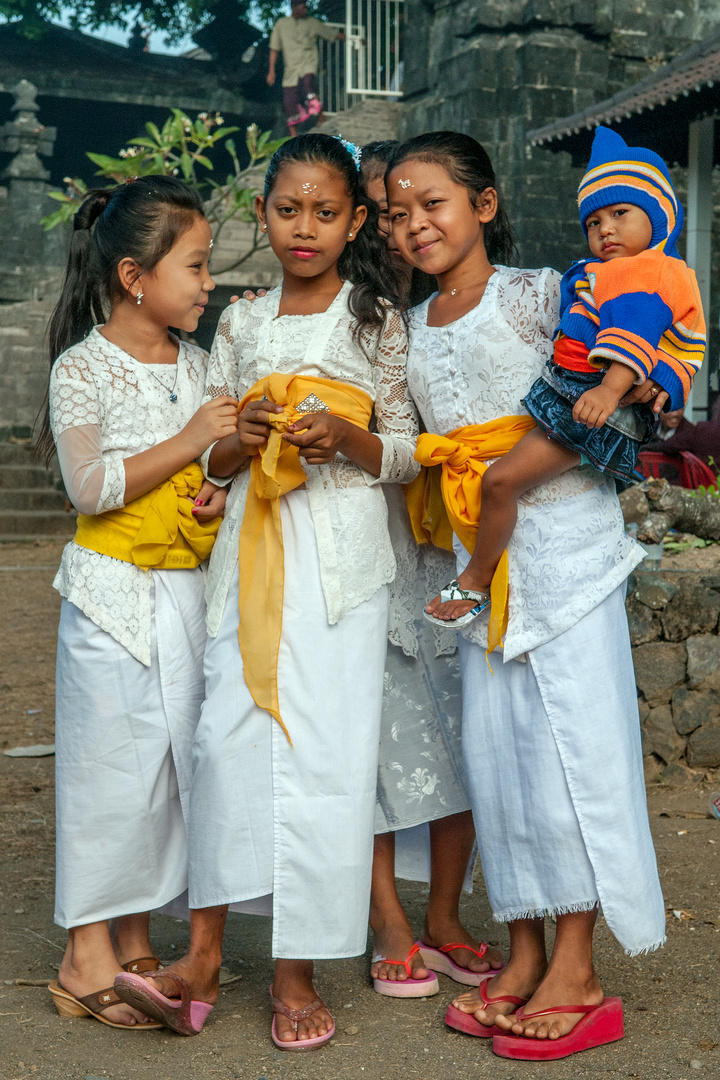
(275, 469)
(445, 497)
(157, 530)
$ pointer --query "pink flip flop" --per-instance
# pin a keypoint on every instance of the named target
(439, 960)
(466, 1022)
(296, 1015)
(180, 1014)
(600, 1024)
(407, 988)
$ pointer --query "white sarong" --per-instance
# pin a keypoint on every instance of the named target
(123, 750)
(554, 766)
(293, 821)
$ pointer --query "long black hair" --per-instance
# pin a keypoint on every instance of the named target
(364, 262)
(373, 166)
(467, 163)
(140, 220)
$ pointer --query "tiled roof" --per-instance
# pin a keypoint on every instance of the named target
(694, 75)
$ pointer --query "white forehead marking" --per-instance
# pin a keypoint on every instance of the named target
(405, 184)
(307, 188)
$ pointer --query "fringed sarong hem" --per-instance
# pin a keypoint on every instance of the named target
(647, 948)
(548, 912)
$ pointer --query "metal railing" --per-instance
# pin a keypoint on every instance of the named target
(372, 47)
(332, 87)
(369, 62)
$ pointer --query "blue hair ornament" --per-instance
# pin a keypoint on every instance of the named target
(354, 151)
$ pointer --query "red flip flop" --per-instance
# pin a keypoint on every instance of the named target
(406, 988)
(180, 1014)
(466, 1022)
(440, 960)
(600, 1024)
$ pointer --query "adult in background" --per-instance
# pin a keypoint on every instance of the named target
(295, 36)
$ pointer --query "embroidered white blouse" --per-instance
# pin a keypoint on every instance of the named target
(106, 406)
(347, 504)
(569, 549)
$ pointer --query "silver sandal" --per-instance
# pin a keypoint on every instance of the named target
(453, 591)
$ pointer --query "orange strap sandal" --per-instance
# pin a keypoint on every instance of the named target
(439, 960)
(405, 988)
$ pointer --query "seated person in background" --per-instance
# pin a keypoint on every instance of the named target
(702, 440)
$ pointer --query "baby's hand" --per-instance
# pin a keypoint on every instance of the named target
(210, 502)
(595, 406)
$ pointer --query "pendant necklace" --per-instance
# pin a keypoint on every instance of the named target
(170, 391)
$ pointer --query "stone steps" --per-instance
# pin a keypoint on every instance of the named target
(32, 506)
(32, 499)
(36, 523)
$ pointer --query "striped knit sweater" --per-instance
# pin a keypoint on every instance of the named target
(643, 311)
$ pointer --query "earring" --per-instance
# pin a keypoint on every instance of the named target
(350, 236)
(139, 297)
(264, 227)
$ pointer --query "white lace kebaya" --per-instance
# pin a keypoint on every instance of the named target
(569, 549)
(347, 504)
(106, 406)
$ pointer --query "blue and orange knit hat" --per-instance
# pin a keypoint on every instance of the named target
(619, 173)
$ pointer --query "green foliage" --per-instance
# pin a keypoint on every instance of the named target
(176, 18)
(180, 149)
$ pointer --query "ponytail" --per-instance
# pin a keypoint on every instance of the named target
(140, 220)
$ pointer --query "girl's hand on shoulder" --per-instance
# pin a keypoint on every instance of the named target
(649, 392)
(253, 422)
(210, 502)
(214, 420)
(595, 406)
(319, 437)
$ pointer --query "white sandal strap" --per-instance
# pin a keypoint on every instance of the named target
(453, 591)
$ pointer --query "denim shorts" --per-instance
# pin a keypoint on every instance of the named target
(614, 447)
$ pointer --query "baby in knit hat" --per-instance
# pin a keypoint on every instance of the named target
(631, 337)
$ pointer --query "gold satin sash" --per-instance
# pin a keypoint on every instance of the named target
(156, 531)
(275, 469)
(446, 496)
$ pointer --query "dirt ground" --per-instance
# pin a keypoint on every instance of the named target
(671, 998)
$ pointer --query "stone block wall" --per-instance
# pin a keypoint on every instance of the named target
(673, 618)
(24, 364)
(497, 70)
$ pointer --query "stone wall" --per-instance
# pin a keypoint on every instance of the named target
(24, 365)
(497, 70)
(673, 617)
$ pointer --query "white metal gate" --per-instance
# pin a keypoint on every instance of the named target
(373, 42)
(332, 87)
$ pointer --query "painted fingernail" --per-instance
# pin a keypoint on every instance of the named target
(198, 502)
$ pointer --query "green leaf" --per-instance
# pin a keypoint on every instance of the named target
(152, 129)
(186, 165)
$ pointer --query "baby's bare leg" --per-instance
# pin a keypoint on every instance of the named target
(533, 461)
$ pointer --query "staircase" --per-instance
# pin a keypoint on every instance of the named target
(32, 506)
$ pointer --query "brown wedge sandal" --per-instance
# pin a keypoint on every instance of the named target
(92, 1005)
(145, 963)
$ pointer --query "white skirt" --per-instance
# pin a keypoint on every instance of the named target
(293, 821)
(554, 765)
(123, 752)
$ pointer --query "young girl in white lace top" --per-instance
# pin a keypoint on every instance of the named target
(127, 419)
(283, 795)
(551, 739)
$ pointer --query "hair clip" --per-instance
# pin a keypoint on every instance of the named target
(130, 179)
(354, 151)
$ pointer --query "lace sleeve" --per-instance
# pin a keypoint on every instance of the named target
(397, 421)
(93, 483)
(222, 369)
